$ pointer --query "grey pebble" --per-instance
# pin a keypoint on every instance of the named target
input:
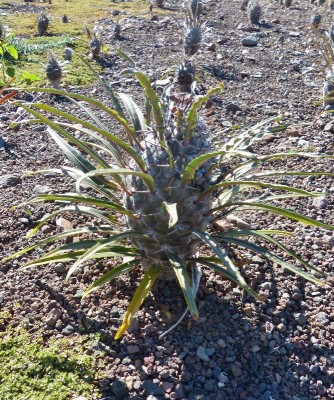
(201, 353)
(249, 41)
(152, 388)
(119, 389)
(9, 180)
(322, 317)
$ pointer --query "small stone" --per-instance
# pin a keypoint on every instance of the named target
(167, 386)
(320, 202)
(232, 107)
(314, 369)
(132, 349)
(53, 316)
(294, 34)
(300, 318)
(152, 388)
(322, 317)
(236, 371)
(119, 389)
(60, 268)
(79, 293)
(68, 329)
(210, 350)
(249, 41)
(238, 222)
(9, 180)
(2, 143)
(222, 377)
(266, 285)
(201, 353)
(329, 127)
(256, 348)
(24, 221)
(248, 311)
(42, 189)
(221, 343)
(281, 328)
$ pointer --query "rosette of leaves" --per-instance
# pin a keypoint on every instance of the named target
(153, 196)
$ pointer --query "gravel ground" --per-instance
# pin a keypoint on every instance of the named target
(239, 348)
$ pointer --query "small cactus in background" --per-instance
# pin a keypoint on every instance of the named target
(95, 44)
(53, 71)
(196, 8)
(42, 24)
(68, 54)
(254, 12)
(193, 38)
(64, 19)
(117, 31)
(244, 5)
(315, 20)
(185, 76)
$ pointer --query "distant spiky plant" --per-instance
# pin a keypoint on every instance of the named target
(64, 19)
(42, 24)
(117, 31)
(196, 8)
(327, 50)
(254, 11)
(185, 76)
(193, 33)
(95, 43)
(331, 5)
(244, 5)
(68, 54)
(53, 71)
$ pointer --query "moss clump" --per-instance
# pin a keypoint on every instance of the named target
(33, 369)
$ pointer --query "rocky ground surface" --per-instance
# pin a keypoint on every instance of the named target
(239, 348)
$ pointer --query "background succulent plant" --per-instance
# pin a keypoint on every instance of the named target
(53, 71)
(168, 181)
(254, 11)
(42, 24)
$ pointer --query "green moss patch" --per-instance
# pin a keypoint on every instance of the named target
(34, 369)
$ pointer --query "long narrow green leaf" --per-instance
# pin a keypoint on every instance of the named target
(231, 269)
(138, 298)
(257, 184)
(213, 263)
(90, 211)
(192, 113)
(272, 257)
(106, 86)
(288, 173)
(98, 247)
(74, 255)
(244, 205)
(110, 275)
(194, 165)
(66, 134)
(59, 236)
(154, 101)
(75, 198)
(114, 139)
(181, 273)
(136, 116)
(148, 180)
(128, 59)
(265, 235)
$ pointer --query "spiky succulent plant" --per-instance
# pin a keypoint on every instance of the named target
(185, 76)
(168, 181)
(95, 43)
(42, 24)
(254, 11)
(53, 71)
